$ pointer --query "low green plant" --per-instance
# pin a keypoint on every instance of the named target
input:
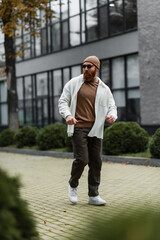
(7, 137)
(26, 136)
(155, 144)
(52, 136)
(137, 225)
(16, 221)
(69, 144)
(125, 137)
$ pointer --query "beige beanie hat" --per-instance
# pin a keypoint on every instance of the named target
(94, 60)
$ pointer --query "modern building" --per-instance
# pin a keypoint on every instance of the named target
(123, 34)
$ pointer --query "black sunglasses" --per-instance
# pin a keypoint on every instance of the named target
(88, 66)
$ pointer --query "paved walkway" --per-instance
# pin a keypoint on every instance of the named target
(45, 184)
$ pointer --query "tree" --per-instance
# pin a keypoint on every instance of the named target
(15, 14)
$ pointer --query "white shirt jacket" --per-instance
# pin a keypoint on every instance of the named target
(104, 105)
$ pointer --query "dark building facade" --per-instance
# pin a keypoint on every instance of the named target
(110, 29)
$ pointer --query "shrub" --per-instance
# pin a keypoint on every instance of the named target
(137, 224)
(16, 220)
(69, 144)
(155, 144)
(7, 137)
(52, 136)
(26, 136)
(125, 137)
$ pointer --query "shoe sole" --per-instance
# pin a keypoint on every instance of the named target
(95, 204)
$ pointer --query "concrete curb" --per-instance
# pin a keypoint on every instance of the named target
(106, 158)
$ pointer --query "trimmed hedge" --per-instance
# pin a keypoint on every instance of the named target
(7, 137)
(137, 224)
(155, 144)
(26, 136)
(69, 144)
(16, 220)
(125, 137)
(52, 136)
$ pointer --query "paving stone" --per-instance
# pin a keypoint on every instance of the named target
(45, 183)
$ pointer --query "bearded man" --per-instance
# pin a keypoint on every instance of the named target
(86, 102)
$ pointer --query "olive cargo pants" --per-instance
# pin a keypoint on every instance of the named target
(87, 150)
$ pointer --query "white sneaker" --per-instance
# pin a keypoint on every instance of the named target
(96, 201)
(73, 197)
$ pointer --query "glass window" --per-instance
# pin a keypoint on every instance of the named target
(133, 93)
(76, 71)
(43, 18)
(66, 75)
(57, 82)
(116, 16)
(133, 111)
(131, 13)
(73, 7)
(4, 116)
(28, 111)
(18, 44)
(55, 7)
(20, 112)
(65, 42)
(3, 92)
(119, 97)
(103, 21)
(92, 25)
(118, 73)
(27, 46)
(28, 87)
(105, 76)
(56, 36)
(91, 4)
(2, 50)
(49, 38)
(83, 29)
(57, 116)
(37, 45)
(102, 2)
(74, 31)
(32, 46)
(20, 88)
(42, 86)
(64, 9)
(44, 40)
(1, 36)
(82, 5)
(133, 71)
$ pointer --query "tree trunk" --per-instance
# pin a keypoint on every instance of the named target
(11, 83)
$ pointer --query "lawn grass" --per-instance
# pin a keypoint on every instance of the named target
(145, 154)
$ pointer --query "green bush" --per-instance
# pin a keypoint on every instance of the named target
(69, 144)
(155, 144)
(125, 137)
(26, 136)
(137, 224)
(7, 137)
(52, 136)
(16, 221)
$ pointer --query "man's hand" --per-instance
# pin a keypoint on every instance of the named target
(110, 119)
(71, 120)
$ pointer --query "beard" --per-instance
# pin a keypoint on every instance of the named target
(89, 76)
